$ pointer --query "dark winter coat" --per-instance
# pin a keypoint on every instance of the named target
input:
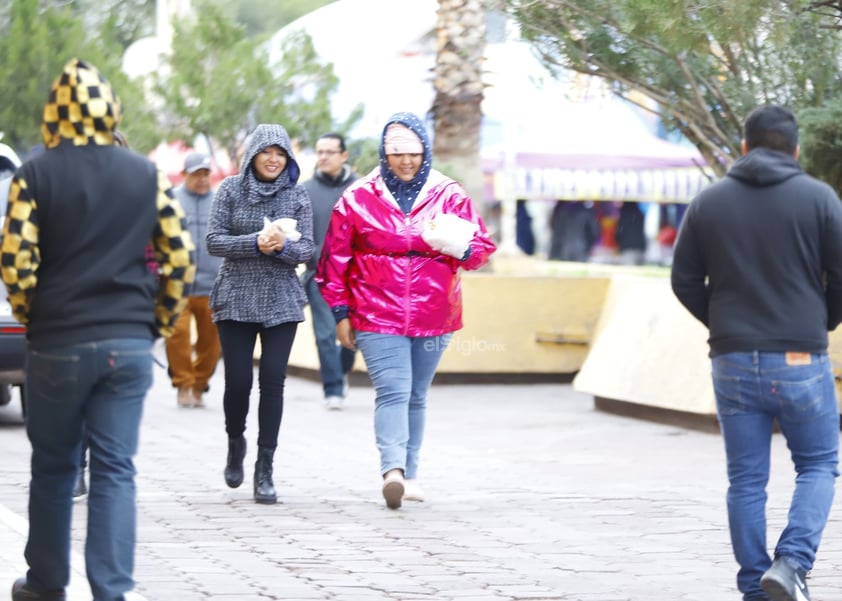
(758, 258)
(252, 287)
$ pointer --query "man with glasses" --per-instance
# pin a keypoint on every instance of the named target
(330, 179)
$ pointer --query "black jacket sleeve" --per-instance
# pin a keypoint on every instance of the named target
(831, 249)
(688, 275)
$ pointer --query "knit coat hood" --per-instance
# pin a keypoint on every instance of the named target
(264, 136)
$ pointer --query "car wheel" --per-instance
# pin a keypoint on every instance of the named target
(5, 394)
(22, 399)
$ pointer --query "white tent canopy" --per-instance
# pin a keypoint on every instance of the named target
(542, 137)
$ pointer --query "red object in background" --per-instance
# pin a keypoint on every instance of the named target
(170, 159)
(667, 235)
(608, 225)
(607, 214)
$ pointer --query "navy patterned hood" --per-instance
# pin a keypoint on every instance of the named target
(406, 192)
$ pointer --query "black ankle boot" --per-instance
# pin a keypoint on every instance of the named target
(234, 468)
(22, 592)
(264, 489)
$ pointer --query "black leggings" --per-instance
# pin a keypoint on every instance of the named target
(238, 339)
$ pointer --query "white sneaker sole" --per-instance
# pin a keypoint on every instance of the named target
(333, 403)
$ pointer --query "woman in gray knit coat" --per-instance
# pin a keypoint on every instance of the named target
(257, 293)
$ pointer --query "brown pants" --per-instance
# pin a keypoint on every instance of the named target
(187, 371)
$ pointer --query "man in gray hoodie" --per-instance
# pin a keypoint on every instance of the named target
(330, 179)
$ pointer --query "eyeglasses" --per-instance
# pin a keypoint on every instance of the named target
(328, 152)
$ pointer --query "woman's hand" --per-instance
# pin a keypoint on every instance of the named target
(272, 240)
(345, 334)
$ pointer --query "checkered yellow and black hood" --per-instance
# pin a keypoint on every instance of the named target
(82, 107)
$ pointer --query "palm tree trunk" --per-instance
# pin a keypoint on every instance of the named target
(457, 108)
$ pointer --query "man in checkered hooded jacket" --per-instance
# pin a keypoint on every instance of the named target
(79, 218)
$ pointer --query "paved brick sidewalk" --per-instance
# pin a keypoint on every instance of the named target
(532, 495)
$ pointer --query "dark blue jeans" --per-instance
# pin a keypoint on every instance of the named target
(238, 339)
(95, 390)
(335, 361)
(752, 391)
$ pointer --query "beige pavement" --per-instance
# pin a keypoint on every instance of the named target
(532, 495)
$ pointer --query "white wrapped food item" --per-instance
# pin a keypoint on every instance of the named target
(285, 224)
(449, 234)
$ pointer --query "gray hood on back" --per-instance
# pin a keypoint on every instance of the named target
(765, 167)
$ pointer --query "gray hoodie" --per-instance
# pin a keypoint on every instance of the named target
(324, 191)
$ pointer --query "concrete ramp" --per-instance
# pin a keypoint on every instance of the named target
(648, 357)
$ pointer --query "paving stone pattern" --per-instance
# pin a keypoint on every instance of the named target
(532, 495)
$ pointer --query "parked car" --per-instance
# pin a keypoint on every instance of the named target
(9, 161)
(12, 354)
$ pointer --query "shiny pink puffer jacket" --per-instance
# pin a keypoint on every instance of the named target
(375, 262)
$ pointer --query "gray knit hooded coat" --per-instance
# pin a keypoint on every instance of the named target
(252, 287)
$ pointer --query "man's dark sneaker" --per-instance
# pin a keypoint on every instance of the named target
(21, 591)
(785, 582)
(80, 490)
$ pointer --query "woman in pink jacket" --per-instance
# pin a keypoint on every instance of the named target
(390, 273)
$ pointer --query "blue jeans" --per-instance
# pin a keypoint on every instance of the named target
(335, 361)
(93, 390)
(401, 369)
(752, 391)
